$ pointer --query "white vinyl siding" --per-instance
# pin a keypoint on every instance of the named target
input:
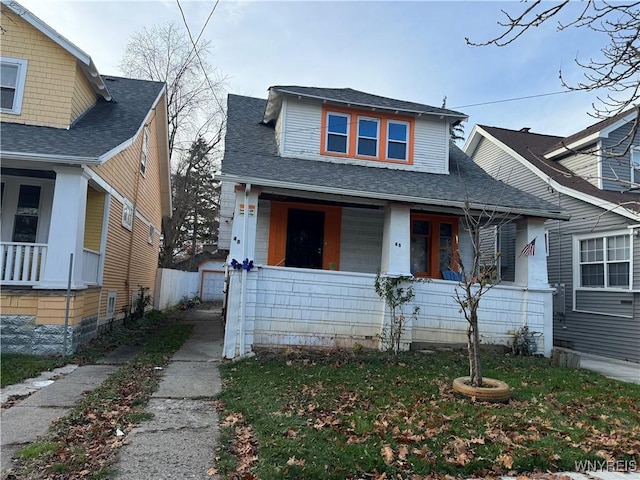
(361, 240)
(302, 129)
(431, 146)
(227, 205)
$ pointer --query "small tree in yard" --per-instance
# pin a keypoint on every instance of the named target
(477, 279)
(396, 296)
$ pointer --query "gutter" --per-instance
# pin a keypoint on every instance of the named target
(48, 158)
(392, 197)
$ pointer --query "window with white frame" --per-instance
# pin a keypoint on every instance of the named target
(13, 72)
(337, 132)
(604, 261)
(368, 134)
(635, 169)
(127, 215)
(145, 149)
(397, 140)
(111, 305)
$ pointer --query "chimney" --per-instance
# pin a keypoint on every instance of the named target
(525, 129)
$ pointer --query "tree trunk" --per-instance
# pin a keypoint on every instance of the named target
(473, 346)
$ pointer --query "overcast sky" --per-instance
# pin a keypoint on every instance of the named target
(413, 51)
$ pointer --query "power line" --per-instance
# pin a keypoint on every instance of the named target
(511, 99)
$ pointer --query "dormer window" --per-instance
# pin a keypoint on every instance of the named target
(368, 132)
(397, 140)
(353, 133)
(12, 77)
(337, 132)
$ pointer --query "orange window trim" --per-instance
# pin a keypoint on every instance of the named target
(352, 134)
(277, 250)
(434, 246)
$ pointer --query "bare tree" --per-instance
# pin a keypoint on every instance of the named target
(166, 53)
(196, 118)
(615, 71)
(195, 205)
(476, 280)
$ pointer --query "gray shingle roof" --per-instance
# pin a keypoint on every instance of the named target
(532, 146)
(251, 154)
(105, 126)
(356, 97)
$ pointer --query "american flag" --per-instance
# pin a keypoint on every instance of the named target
(529, 248)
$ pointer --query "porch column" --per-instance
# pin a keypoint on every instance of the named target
(531, 270)
(245, 221)
(66, 233)
(238, 336)
(396, 240)
(531, 273)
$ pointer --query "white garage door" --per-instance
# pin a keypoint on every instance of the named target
(212, 284)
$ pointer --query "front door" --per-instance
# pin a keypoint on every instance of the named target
(305, 238)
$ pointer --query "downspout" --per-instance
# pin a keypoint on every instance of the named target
(243, 285)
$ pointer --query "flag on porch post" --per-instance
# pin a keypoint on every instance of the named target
(529, 248)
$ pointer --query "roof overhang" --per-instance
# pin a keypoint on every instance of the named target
(460, 204)
(46, 158)
(84, 60)
(274, 103)
(478, 132)
(589, 139)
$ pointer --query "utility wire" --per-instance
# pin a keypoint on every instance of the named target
(512, 99)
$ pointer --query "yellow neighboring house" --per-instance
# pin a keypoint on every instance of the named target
(85, 185)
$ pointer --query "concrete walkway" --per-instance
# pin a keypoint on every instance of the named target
(180, 441)
(611, 367)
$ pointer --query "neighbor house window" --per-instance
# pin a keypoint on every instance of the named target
(604, 261)
(368, 132)
(397, 140)
(376, 136)
(635, 169)
(432, 245)
(152, 232)
(337, 132)
(25, 226)
(13, 72)
(145, 148)
(127, 215)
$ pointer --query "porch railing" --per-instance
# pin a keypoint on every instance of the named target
(90, 266)
(22, 263)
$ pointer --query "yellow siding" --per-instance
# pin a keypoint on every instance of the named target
(93, 221)
(128, 265)
(83, 95)
(49, 308)
(51, 74)
(91, 301)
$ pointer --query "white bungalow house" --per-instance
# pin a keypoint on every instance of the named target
(323, 188)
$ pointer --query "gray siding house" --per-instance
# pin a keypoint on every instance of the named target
(594, 258)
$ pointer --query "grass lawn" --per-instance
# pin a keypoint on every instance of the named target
(18, 367)
(303, 415)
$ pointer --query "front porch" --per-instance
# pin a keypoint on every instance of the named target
(23, 264)
(316, 263)
(52, 228)
(321, 308)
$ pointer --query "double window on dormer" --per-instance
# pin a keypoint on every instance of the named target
(355, 134)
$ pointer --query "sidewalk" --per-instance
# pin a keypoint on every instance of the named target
(180, 441)
(611, 367)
